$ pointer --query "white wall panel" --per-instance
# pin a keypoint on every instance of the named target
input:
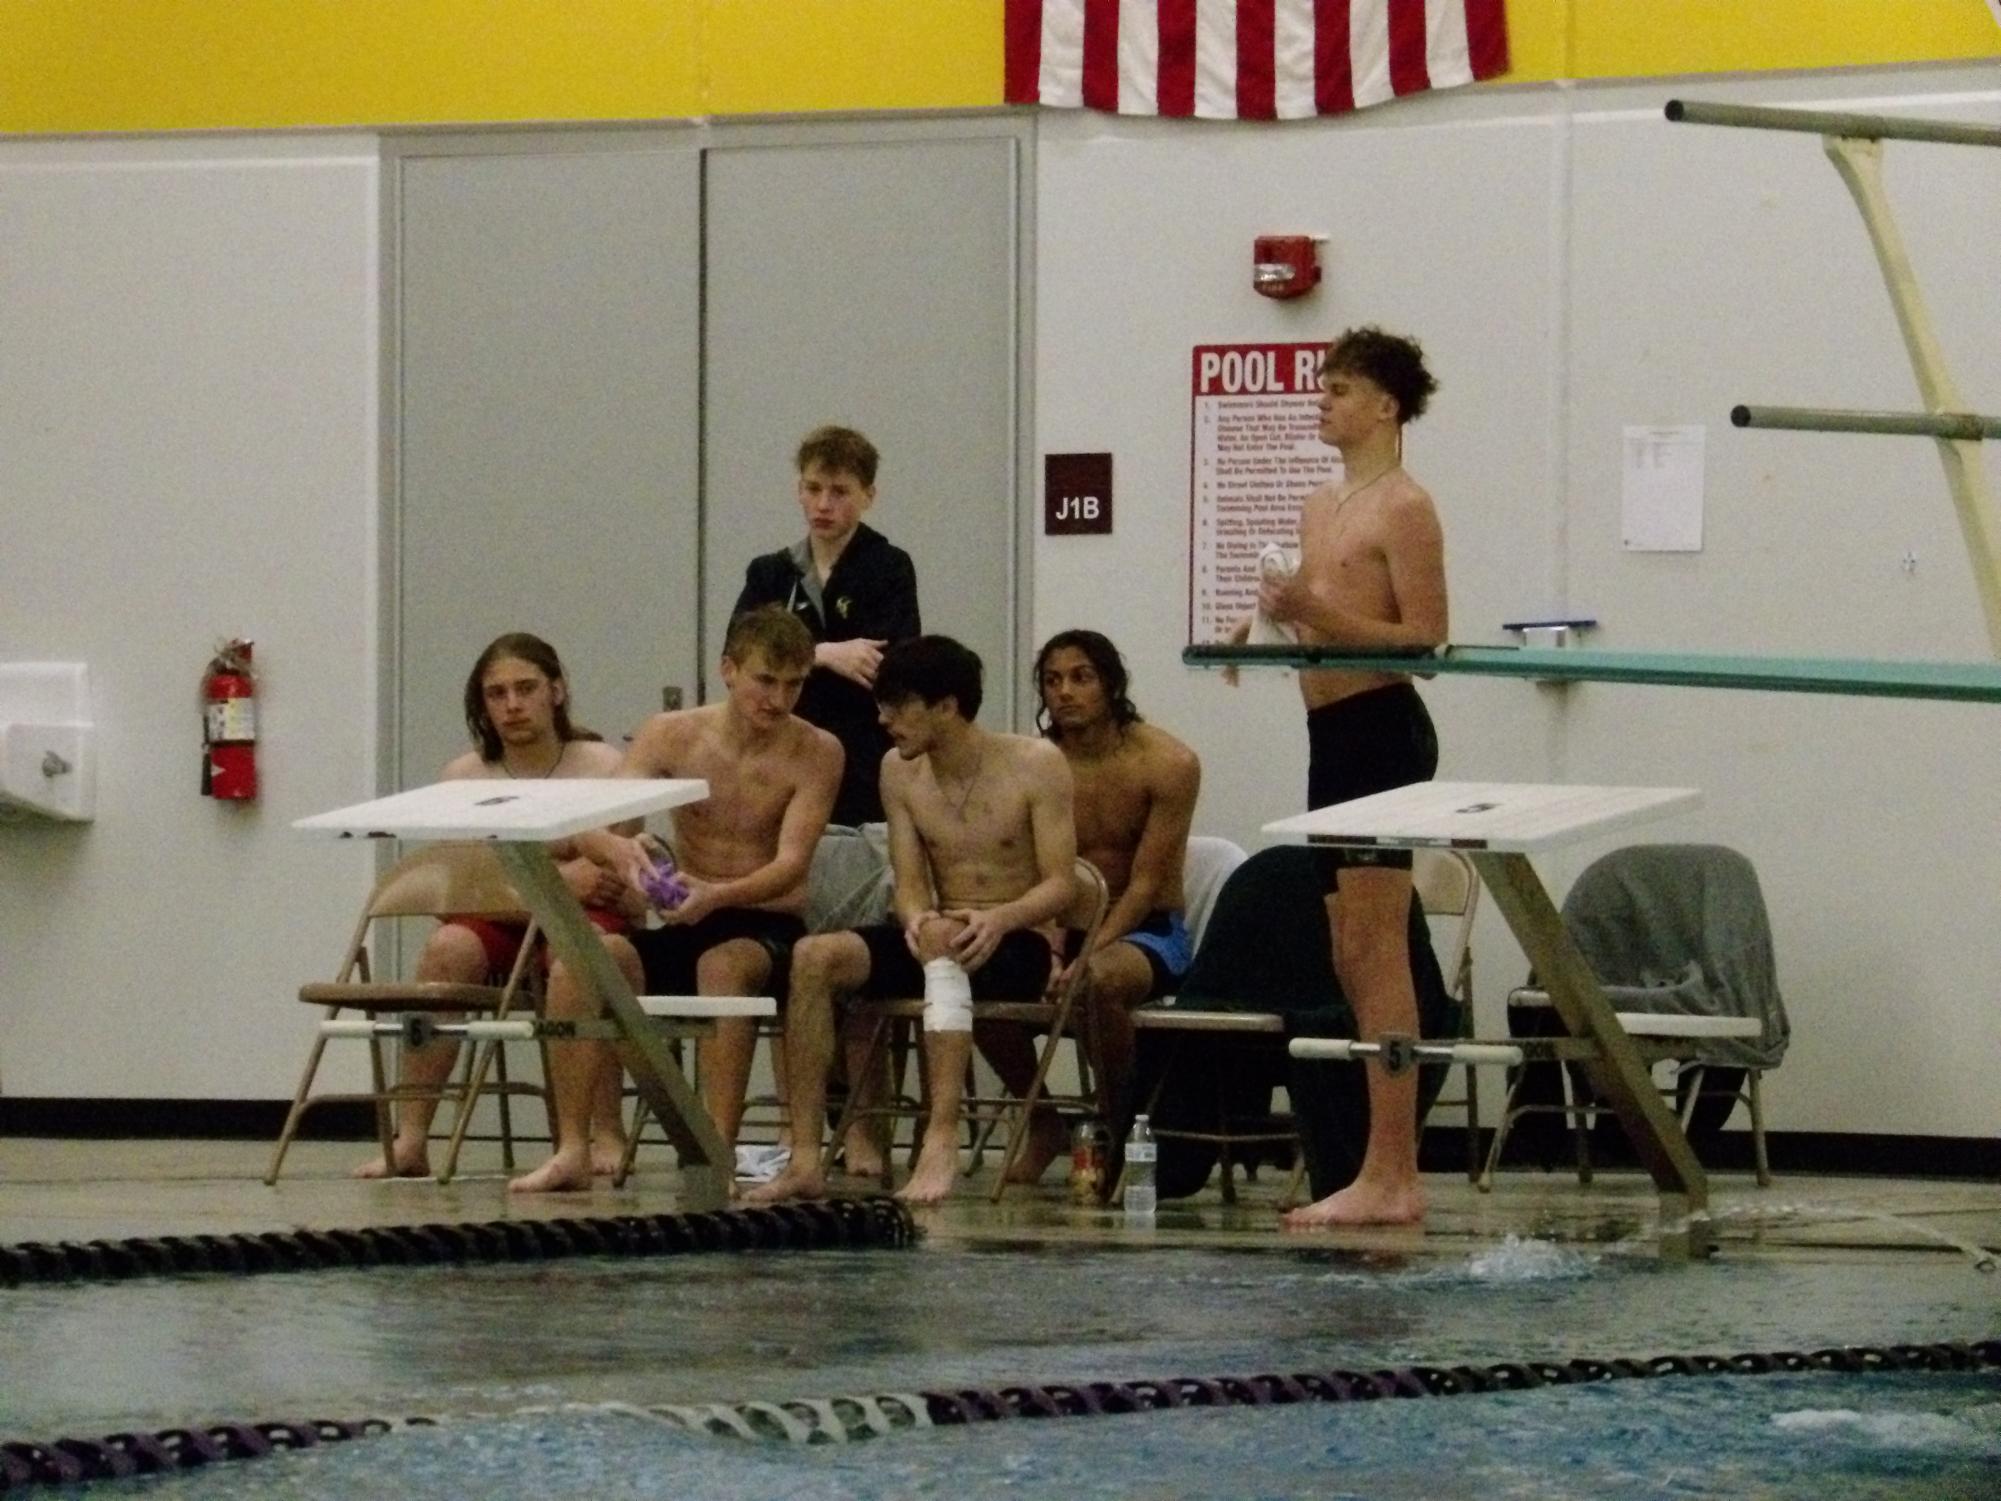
(1715, 266)
(188, 413)
(548, 369)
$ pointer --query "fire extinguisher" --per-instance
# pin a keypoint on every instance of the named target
(229, 724)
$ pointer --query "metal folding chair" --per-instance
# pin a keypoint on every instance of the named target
(1679, 936)
(440, 880)
(1050, 1015)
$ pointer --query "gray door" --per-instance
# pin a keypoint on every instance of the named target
(546, 375)
(870, 284)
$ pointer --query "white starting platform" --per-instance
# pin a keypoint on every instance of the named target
(1499, 825)
(522, 817)
(1502, 817)
(476, 808)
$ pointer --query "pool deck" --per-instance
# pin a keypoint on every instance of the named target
(54, 1190)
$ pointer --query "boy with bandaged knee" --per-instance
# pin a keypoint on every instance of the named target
(982, 846)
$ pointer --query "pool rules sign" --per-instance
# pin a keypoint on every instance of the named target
(1255, 455)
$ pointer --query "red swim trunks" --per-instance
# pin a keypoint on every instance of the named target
(502, 940)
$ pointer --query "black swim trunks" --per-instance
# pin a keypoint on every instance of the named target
(1363, 744)
(1018, 971)
(670, 954)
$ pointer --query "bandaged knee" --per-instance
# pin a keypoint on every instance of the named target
(948, 997)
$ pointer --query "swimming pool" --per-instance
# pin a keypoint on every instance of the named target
(1791, 1438)
(773, 1326)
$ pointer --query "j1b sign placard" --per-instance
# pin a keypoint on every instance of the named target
(1076, 494)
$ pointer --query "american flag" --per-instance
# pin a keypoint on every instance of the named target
(1246, 59)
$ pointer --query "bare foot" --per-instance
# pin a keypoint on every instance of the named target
(796, 1182)
(1362, 1203)
(410, 1162)
(566, 1172)
(1047, 1140)
(937, 1171)
(606, 1154)
(861, 1157)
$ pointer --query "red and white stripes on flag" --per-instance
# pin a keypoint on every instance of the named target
(1246, 59)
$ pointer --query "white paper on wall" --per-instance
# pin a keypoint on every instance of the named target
(1661, 493)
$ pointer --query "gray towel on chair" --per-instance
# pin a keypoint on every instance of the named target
(849, 883)
(1680, 929)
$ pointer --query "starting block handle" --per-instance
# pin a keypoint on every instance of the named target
(413, 1029)
(1400, 1053)
(360, 1028)
(416, 1029)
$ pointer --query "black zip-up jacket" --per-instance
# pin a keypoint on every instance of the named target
(872, 593)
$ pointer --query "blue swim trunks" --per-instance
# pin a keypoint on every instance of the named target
(1163, 938)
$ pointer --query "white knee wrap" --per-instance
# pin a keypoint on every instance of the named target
(948, 997)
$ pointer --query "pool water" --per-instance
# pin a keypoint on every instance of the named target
(489, 1341)
(1790, 1438)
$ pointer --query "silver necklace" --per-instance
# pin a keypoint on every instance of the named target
(1338, 519)
(1374, 479)
(959, 807)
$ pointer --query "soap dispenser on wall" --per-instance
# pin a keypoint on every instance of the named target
(48, 745)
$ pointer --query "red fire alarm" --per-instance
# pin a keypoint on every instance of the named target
(1285, 265)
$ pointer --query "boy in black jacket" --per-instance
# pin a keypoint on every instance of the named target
(855, 592)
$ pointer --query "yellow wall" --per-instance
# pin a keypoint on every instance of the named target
(178, 64)
(1641, 38)
(85, 65)
(772, 56)
(89, 65)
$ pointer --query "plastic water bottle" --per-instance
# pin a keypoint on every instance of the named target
(1141, 1154)
(1087, 1162)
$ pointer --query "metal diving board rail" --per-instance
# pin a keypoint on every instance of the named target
(1959, 682)
(1964, 426)
(1822, 122)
